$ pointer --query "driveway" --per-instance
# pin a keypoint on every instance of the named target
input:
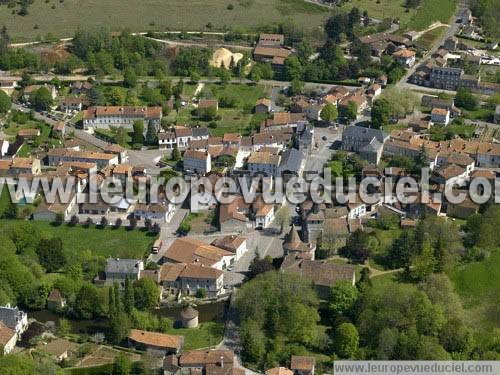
(168, 233)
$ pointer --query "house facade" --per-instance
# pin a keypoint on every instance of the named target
(118, 270)
(197, 161)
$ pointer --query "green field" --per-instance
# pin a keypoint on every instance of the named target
(384, 9)
(236, 119)
(107, 242)
(478, 284)
(430, 11)
(158, 15)
(427, 40)
(206, 335)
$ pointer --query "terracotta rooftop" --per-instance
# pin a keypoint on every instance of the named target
(191, 251)
(279, 371)
(139, 112)
(201, 358)
(156, 339)
(193, 154)
(263, 157)
(28, 132)
(231, 137)
(55, 295)
(207, 103)
(294, 243)
(272, 51)
(6, 334)
(405, 53)
(122, 169)
(234, 210)
(263, 101)
(450, 171)
(22, 163)
(230, 243)
(439, 111)
(302, 363)
(80, 154)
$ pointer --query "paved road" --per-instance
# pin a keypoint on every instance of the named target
(322, 154)
(168, 233)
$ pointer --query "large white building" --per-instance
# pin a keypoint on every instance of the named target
(197, 161)
(106, 117)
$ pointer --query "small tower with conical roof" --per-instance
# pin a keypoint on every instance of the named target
(294, 245)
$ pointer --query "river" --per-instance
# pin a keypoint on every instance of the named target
(207, 313)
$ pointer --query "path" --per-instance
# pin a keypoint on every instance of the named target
(191, 43)
(435, 25)
(374, 272)
(200, 87)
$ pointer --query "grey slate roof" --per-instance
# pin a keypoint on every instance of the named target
(291, 159)
(10, 316)
(367, 134)
(200, 132)
(373, 146)
(129, 266)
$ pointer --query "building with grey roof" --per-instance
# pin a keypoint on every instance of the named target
(14, 318)
(118, 270)
(304, 134)
(200, 133)
(367, 142)
(291, 161)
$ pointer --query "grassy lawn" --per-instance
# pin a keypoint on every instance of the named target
(16, 123)
(478, 114)
(202, 222)
(427, 39)
(157, 15)
(103, 242)
(385, 239)
(384, 281)
(206, 335)
(431, 11)
(477, 284)
(385, 9)
(232, 120)
(245, 95)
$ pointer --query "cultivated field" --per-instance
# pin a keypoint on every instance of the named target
(160, 15)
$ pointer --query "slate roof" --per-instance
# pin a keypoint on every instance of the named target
(116, 265)
(200, 132)
(364, 133)
(10, 316)
(373, 146)
(291, 159)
